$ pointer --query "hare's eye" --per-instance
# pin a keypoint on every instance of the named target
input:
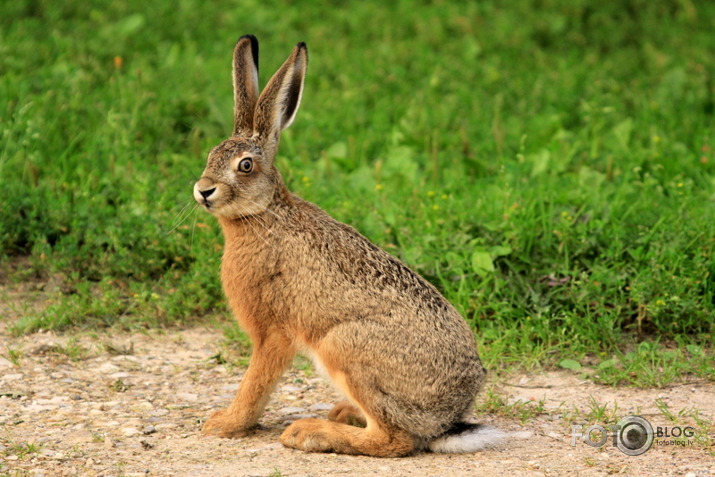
(246, 165)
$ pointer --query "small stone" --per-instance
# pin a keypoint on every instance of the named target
(108, 368)
(521, 434)
(554, 435)
(77, 437)
(166, 425)
(130, 431)
(12, 377)
(144, 405)
(320, 406)
(187, 396)
(520, 399)
(5, 364)
(289, 388)
(119, 375)
(292, 410)
(148, 430)
(125, 357)
(295, 417)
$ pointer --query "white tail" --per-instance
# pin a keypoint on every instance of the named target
(473, 439)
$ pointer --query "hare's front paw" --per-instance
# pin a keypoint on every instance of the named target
(346, 413)
(222, 424)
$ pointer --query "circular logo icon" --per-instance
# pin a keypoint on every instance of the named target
(635, 435)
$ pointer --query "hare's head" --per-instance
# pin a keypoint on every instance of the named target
(240, 179)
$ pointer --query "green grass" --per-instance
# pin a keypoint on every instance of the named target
(13, 355)
(547, 164)
(23, 450)
(493, 403)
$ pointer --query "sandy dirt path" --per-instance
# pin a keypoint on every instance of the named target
(140, 413)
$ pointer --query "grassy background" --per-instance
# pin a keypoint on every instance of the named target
(547, 164)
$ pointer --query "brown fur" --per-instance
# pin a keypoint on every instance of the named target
(299, 281)
(344, 412)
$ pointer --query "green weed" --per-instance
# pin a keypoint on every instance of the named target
(497, 404)
(304, 364)
(596, 413)
(600, 412)
(72, 350)
(651, 364)
(665, 410)
(22, 450)
(119, 386)
(689, 416)
(13, 355)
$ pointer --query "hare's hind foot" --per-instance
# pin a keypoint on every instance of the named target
(346, 413)
(221, 424)
(317, 435)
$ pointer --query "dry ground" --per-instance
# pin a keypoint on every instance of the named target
(107, 414)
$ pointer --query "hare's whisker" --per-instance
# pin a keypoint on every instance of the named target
(193, 227)
(267, 209)
(247, 219)
(183, 209)
(182, 216)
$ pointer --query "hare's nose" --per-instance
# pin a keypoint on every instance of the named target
(207, 193)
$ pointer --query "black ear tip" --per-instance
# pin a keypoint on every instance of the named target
(254, 46)
(252, 39)
(302, 46)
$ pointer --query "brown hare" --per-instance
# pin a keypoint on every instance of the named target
(299, 281)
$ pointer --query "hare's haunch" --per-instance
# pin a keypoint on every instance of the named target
(299, 281)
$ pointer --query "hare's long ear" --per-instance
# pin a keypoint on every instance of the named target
(279, 101)
(245, 84)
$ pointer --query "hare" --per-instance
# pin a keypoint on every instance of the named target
(299, 281)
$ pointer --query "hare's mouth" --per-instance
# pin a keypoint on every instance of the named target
(207, 193)
(212, 205)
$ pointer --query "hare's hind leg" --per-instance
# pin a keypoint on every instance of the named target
(346, 413)
(377, 439)
(318, 435)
